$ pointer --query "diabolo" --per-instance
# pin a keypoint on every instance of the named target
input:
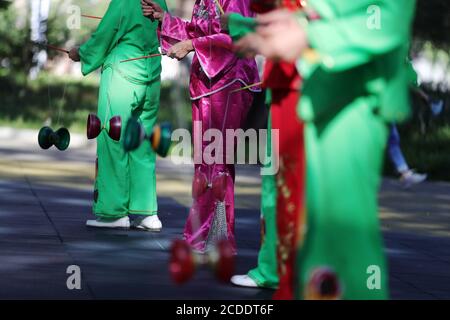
(160, 138)
(95, 127)
(183, 261)
(59, 138)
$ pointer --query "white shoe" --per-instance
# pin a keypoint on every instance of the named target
(243, 281)
(150, 223)
(411, 178)
(122, 223)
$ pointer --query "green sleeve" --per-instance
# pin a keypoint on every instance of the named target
(356, 61)
(94, 52)
(239, 26)
(351, 32)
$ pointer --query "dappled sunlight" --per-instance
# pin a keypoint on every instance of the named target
(424, 210)
(55, 195)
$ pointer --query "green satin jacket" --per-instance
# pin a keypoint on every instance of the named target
(361, 46)
(124, 33)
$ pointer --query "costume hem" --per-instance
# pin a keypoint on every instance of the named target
(144, 212)
(259, 283)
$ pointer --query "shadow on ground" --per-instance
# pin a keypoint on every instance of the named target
(45, 199)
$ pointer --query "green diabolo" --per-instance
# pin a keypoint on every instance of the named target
(59, 138)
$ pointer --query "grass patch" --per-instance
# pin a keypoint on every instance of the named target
(30, 104)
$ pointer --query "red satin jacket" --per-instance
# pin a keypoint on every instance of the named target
(279, 75)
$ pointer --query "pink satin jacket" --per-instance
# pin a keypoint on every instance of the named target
(214, 66)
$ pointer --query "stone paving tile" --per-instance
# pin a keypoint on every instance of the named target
(419, 267)
(400, 290)
(427, 282)
(42, 231)
(36, 270)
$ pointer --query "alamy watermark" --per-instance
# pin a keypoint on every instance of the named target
(374, 19)
(233, 146)
(73, 22)
(374, 279)
(73, 282)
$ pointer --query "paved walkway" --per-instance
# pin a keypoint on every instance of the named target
(45, 198)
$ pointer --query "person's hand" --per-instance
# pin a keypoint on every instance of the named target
(283, 36)
(280, 37)
(224, 21)
(180, 50)
(249, 46)
(74, 54)
(152, 10)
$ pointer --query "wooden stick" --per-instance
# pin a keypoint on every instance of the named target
(248, 87)
(143, 57)
(91, 17)
(49, 46)
(222, 12)
(225, 46)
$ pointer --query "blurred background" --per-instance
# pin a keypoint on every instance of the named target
(40, 87)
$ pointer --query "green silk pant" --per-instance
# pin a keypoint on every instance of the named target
(344, 160)
(125, 182)
(266, 273)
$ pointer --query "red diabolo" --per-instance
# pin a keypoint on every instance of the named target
(181, 265)
(226, 262)
(183, 261)
(94, 127)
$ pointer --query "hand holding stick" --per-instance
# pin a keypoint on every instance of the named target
(278, 36)
(74, 54)
(180, 50)
(152, 10)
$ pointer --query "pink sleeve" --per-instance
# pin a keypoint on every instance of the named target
(214, 51)
(172, 30)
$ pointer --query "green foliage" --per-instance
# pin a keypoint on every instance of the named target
(30, 104)
(65, 101)
(14, 32)
(432, 23)
(46, 98)
(15, 47)
(4, 4)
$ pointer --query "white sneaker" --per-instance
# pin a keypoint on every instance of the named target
(243, 281)
(150, 223)
(410, 178)
(122, 223)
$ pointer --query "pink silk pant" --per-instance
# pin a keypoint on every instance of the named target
(212, 113)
